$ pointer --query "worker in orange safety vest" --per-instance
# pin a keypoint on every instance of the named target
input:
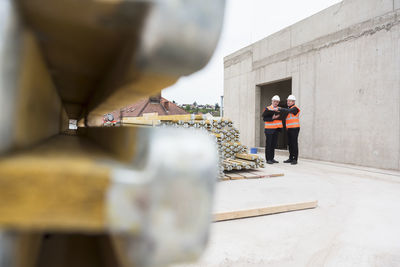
(292, 125)
(272, 127)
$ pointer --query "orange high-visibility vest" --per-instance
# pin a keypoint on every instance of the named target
(275, 124)
(293, 121)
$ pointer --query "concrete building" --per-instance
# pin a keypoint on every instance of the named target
(343, 65)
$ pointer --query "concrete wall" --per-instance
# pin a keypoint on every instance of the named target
(345, 68)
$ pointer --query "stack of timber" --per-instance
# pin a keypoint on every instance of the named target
(233, 155)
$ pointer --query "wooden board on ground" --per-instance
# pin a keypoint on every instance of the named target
(225, 178)
(235, 176)
(233, 215)
(266, 175)
(248, 174)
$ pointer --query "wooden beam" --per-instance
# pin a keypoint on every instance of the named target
(265, 175)
(249, 175)
(240, 175)
(225, 178)
(275, 175)
(246, 156)
(233, 215)
(236, 176)
(271, 175)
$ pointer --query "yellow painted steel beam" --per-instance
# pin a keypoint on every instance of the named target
(60, 185)
(33, 110)
(78, 60)
(106, 54)
(63, 183)
(120, 181)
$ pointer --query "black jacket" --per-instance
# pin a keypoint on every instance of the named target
(286, 111)
(267, 115)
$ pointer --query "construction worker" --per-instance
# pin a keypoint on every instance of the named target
(273, 126)
(292, 124)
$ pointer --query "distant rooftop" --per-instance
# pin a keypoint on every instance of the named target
(154, 104)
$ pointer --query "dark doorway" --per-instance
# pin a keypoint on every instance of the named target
(283, 88)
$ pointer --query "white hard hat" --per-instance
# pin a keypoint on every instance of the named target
(276, 97)
(291, 97)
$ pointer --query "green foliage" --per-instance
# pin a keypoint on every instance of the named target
(204, 109)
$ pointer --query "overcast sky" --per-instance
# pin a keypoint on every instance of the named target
(246, 21)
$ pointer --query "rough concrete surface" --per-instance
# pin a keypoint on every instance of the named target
(357, 221)
(342, 62)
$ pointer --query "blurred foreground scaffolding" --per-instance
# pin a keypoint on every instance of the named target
(98, 196)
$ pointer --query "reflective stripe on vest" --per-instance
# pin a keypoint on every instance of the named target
(293, 121)
(275, 124)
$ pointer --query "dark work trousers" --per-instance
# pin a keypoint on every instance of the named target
(293, 134)
(271, 136)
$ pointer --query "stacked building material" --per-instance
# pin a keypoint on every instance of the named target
(232, 154)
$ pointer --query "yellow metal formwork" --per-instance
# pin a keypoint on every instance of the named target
(88, 197)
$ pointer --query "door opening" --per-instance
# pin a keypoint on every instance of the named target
(282, 88)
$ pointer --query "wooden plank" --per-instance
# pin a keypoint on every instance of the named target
(225, 178)
(254, 177)
(266, 175)
(243, 173)
(235, 175)
(257, 173)
(251, 157)
(276, 175)
(240, 175)
(249, 175)
(233, 215)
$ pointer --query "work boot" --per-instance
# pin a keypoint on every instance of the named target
(294, 162)
(288, 161)
(275, 161)
(270, 162)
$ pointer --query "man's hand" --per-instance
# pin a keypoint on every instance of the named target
(274, 117)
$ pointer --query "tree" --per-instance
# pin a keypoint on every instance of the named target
(216, 106)
(195, 103)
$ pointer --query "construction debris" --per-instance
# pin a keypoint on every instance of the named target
(233, 155)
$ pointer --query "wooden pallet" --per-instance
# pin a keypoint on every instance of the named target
(248, 174)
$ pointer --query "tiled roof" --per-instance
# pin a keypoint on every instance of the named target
(158, 105)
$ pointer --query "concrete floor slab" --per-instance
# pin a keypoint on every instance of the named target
(357, 222)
